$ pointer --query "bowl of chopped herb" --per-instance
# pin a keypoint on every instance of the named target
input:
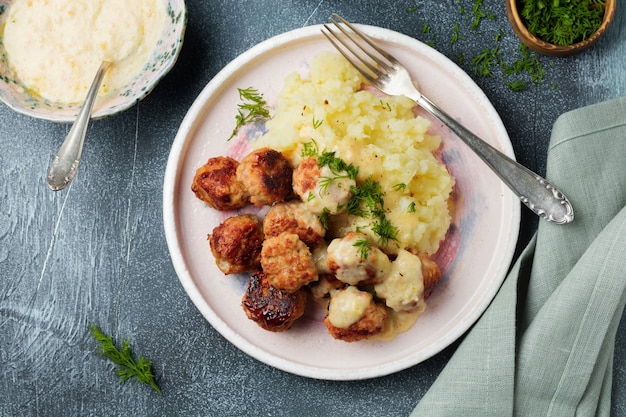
(560, 27)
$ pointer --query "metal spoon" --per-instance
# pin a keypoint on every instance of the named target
(65, 164)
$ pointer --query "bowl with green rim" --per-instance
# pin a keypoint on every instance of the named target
(22, 99)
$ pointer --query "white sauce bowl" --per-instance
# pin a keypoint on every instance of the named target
(163, 58)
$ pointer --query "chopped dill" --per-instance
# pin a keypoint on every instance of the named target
(516, 85)
(324, 217)
(411, 208)
(455, 35)
(327, 158)
(400, 187)
(252, 109)
(363, 247)
(309, 149)
(478, 14)
(528, 64)
(385, 231)
(337, 165)
(562, 22)
(317, 123)
(367, 197)
(367, 201)
(485, 61)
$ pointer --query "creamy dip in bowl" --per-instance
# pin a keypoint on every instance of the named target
(50, 51)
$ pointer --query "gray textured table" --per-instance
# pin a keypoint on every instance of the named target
(96, 253)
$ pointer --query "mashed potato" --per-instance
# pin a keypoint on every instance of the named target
(380, 135)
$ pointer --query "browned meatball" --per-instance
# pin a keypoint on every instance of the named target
(269, 307)
(266, 175)
(236, 244)
(306, 176)
(431, 274)
(288, 262)
(216, 184)
(326, 284)
(293, 217)
(368, 322)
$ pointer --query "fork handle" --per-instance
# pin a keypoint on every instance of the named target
(539, 195)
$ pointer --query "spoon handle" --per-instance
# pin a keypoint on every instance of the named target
(65, 164)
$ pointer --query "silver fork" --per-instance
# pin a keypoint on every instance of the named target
(391, 77)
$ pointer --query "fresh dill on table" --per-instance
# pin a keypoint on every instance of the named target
(518, 72)
(128, 367)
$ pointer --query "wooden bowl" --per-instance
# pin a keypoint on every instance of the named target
(550, 49)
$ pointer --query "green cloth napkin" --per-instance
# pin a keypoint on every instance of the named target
(544, 346)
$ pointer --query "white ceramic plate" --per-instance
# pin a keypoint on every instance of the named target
(474, 257)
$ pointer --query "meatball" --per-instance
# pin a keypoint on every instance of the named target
(293, 217)
(287, 262)
(321, 188)
(403, 288)
(265, 174)
(326, 284)
(354, 260)
(216, 184)
(269, 307)
(236, 244)
(354, 315)
(431, 274)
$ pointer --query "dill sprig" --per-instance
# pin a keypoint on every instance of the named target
(128, 368)
(363, 246)
(252, 109)
(367, 201)
(337, 166)
(562, 22)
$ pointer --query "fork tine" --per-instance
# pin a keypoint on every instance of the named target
(361, 51)
(354, 38)
(366, 38)
(335, 40)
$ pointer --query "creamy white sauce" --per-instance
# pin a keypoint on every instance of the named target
(403, 287)
(352, 266)
(332, 193)
(347, 306)
(397, 322)
(55, 47)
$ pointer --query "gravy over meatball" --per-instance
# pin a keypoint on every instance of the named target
(354, 315)
(294, 217)
(266, 175)
(354, 260)
(321, 188)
